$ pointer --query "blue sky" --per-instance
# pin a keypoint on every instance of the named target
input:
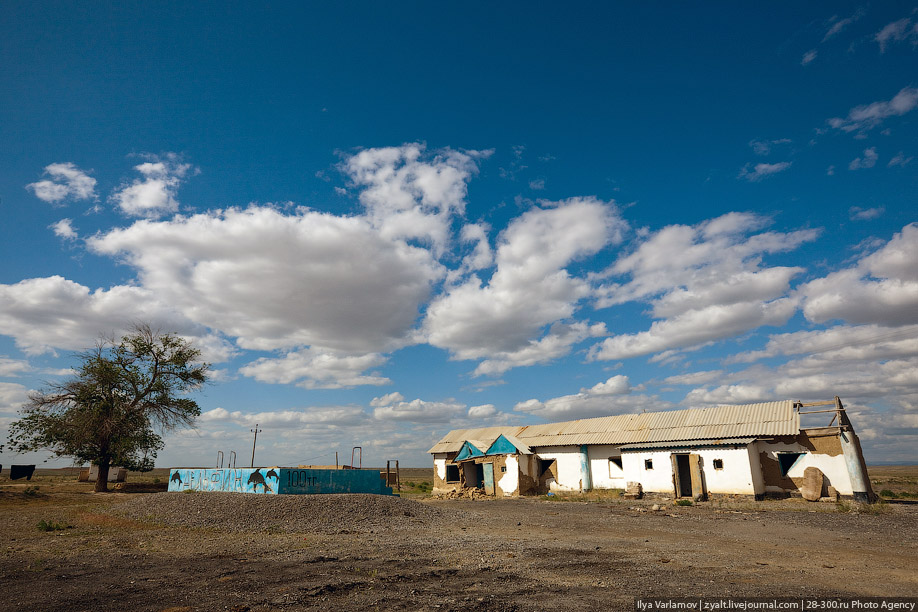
(383, 222)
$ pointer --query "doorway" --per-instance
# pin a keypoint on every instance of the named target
(688, 478)
(474, 474)
(683, 476)
(488, 478)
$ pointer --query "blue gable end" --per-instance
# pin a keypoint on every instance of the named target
(502, 446)
(468, 450)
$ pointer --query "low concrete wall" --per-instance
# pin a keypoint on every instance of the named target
(277, 480)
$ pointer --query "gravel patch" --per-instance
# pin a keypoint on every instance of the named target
(240, 512)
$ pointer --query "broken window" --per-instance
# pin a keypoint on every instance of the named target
(503, 468)
(452, 473)
(787, 461)
(615, 466)
(648, 464)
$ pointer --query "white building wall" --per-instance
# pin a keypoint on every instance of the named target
(736, 476)
(657, 480)
(606, 475)
(567, 465)
(833, 468)
(440, 466)
(510, 480)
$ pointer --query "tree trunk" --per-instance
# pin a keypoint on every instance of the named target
(102, 477)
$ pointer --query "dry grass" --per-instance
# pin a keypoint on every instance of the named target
(895, 481)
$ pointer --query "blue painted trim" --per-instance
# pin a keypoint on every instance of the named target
(587, 476)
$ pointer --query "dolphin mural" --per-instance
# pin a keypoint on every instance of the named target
(257, 479)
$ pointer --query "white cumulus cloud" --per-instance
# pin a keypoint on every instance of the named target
(505, 319)
(410, 195)
(882, 288)
(610, 397)
(705, 282)
(313, 368)
(64, 229)
(419, 411)
(154, 194)
(67, 182)
(276, 281)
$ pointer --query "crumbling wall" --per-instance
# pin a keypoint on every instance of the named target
(440, 483)
(529, 483)
(567, 474)
(820, 448)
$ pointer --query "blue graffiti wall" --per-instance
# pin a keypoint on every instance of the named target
(277, 480)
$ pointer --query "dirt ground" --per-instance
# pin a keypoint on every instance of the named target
(595, 552)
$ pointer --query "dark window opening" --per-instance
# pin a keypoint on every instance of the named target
(615, 467)
(545, 466)
(787, 461)
(452, 473)
(718, 464)
(503, 468)
(648, 464)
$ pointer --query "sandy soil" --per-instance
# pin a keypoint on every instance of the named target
(515, 554)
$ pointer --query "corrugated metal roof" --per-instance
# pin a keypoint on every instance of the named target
(452, 442)
(519, 444)
(767, 419)
(688, 443)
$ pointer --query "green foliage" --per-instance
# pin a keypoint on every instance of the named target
(683, 502)
(31, 492)
(121, 393)
(888, 493)
(44, 525)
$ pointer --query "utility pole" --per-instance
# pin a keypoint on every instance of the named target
(255, 431)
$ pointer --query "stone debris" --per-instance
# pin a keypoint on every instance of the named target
(464, 494)
(813, 482)
(242, 512)
(634, 490)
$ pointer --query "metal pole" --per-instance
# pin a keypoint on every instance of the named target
(255, 431)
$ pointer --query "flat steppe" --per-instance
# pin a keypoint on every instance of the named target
(143, 549)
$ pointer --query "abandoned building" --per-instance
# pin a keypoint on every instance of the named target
(755, 450)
